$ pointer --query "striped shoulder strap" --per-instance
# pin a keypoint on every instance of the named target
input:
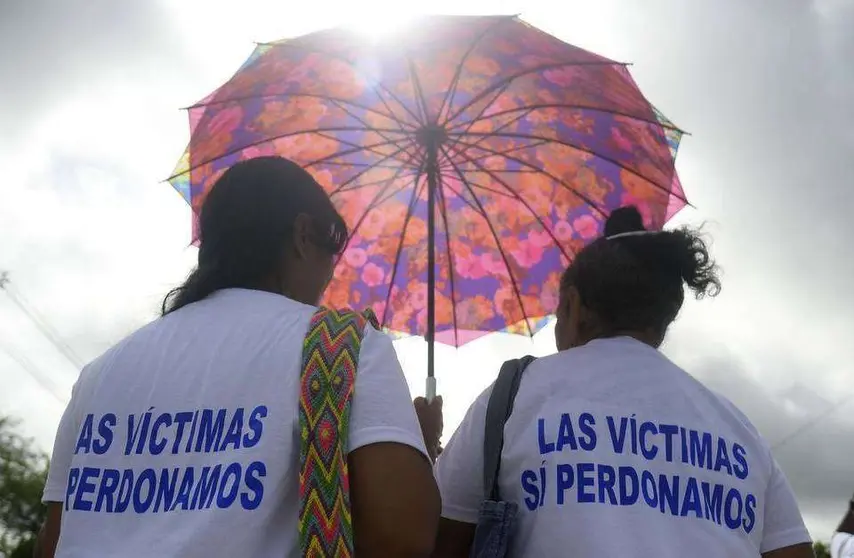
(330, 359)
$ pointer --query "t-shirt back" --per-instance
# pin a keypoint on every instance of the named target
(842, 545)
(612, 450)
(183, 439)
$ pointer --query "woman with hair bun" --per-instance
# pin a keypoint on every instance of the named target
(610, 448)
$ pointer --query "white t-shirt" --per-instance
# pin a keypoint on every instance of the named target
(612, 450)
(183, 439)
(842, 545)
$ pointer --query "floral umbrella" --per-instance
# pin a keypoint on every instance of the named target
(470, 156)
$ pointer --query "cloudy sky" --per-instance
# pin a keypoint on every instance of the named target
(92, 237)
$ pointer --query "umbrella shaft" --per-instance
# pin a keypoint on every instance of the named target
(432, 185)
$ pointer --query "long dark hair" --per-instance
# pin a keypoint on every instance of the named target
(634, 280)
(246, 222)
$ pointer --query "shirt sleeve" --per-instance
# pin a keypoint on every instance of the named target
(63, 452)
(382, 404)
(459, 470)
(784, 525)
(842, 545)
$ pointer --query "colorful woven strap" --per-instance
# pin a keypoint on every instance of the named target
(330, 358)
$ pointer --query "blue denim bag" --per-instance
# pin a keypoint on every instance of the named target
(494, 531)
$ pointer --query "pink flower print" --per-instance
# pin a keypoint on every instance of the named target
(373, 224)
(586, 226)
(501, 105)
(628, 199)
(549, 299)
(225, 121)
(620, 140)
(504, 296)
(495, 163)
(560, 76)
(494, 264)
(372, 275)
(421, 320)
(466, 312)
(356, 257)
(418, 297)
(255, 151)
(527, 254)
(540, 238)
(470, 267)
(379, 309)
(562, 231)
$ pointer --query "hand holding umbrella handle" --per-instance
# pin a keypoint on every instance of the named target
(431, 388)
(431, 420)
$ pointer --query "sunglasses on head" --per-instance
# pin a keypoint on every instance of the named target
(332, 237)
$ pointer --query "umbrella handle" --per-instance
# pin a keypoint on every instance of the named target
(431, 388)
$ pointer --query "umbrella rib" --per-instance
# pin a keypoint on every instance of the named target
(517, 171)
(531, 108)
(458, 72)
(579, 148)
(360, 185)
(363, 148)
(356, 149)
(360, 165)
(487, 189)
(410, 209)
(362, 172)
(373, 204)
(578, 194)
(444, 213)
(420, 101)
(354, 145)
(274, 138)
(506, 81)
(514, 194)
(363, 122)
(376, 84)
(498, 92)
(467, 202)
(495, 237)
(508, 151)
(501, 127)
(239, 99)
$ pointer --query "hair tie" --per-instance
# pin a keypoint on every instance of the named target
(630, 233)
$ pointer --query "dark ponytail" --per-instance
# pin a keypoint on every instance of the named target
(246, 223)
(634, 279)
(198, 285)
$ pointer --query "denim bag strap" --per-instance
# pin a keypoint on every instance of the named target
(497, 519)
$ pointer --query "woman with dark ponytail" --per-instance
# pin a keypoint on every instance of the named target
(185, 438)
(611, 449)
(266, 225)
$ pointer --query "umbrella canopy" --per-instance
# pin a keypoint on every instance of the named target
(470, 156)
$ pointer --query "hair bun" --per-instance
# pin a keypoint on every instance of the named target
(624, 220)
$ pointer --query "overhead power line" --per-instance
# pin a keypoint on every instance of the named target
(39, 321)
(811, 423)
(41, 379)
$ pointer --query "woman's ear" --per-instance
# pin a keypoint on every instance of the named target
(574, 310)
(568, 323)
(302, 236)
